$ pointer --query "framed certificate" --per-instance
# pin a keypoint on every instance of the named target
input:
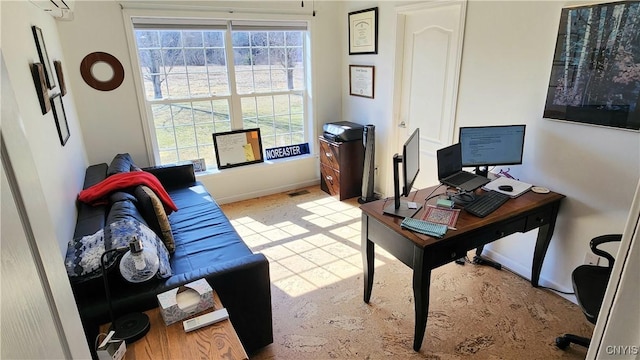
(363, 31)
(361, 80)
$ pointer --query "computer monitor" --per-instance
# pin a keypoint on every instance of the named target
(484, 146)
(410, 162)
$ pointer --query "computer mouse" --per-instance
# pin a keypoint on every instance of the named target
(505, 187)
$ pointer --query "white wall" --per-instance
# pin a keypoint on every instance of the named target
(111, 121)
(507, 54)
(61, 169)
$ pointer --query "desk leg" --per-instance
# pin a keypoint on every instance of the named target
(542, 244)
(367, 259)
(421, 285)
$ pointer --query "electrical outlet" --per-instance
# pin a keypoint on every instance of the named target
(591, 259)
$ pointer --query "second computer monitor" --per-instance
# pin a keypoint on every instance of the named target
(484, 146)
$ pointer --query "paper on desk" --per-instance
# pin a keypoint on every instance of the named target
(519, 187)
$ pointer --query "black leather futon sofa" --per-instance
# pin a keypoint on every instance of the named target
(206, 246)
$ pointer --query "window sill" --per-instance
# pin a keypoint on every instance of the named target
(253, 167)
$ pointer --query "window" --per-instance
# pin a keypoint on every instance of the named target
(203, 78)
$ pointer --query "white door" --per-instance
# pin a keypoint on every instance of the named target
(428, 55)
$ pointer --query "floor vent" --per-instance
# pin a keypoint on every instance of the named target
(298, 193)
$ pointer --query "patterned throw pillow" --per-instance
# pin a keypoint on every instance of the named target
(153, 212)
(83, 255)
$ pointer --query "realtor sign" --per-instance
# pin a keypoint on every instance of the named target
(287, 151)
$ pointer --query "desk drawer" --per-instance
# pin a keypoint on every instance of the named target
(329, 180)
(329, 155)
(537, 219)
(457, 249)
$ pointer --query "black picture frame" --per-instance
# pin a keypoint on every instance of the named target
(60, 118)
(44, 56)
(238, 148)
(591, 80)
(363, 31)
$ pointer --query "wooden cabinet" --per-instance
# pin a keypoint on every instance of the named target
(341, 166)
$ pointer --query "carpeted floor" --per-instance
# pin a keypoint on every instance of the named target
(312, 241)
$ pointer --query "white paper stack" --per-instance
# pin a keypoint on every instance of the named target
(519, 187)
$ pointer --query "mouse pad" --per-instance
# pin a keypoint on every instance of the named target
(519, 187)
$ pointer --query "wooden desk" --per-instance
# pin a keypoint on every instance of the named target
(423, 253)
(217, 341)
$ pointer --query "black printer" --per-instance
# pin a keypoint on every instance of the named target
(342, 131)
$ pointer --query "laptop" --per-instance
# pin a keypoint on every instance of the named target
(450, 170)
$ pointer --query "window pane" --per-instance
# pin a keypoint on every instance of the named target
(264, 105)
(177, 86)
(202, 112)
(192, 38)
(195, 60)
(259, 38)
(283, 125)
(240, 38)
(221, 112)
(185, 136)
(244, 80)
(276, 38)
(214, 39)
(199, 84)
(147, 39)
(172, 59)
(170, 39)
(168, 157)
(293, 38)
(181, 113)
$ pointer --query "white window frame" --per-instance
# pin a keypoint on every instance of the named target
(214, 17)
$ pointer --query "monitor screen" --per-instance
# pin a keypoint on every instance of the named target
(492, 145)
(410, 161)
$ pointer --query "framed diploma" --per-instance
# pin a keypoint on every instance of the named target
(363, 31)
(361, 79)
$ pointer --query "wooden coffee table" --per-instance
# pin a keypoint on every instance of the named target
(217, 341)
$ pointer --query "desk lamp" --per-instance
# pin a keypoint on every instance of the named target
(137, 265)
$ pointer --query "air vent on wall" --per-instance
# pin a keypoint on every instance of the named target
(59, 9)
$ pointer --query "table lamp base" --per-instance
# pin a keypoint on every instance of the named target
(131, 327)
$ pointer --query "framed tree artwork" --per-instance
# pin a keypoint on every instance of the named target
(595, 75)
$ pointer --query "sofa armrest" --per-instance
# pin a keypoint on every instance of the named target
(172, 176)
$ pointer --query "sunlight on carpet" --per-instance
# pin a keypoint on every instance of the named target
(301, 259)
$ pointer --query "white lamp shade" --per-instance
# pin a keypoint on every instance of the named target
(139, 264)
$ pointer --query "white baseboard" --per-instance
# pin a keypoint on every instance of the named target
(265, 192)
(525, 273)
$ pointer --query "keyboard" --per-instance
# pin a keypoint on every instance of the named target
(424, 227)
(487, 203)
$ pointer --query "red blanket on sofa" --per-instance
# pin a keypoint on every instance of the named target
(97, 193)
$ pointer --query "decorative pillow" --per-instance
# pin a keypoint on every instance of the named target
(122, 163)
(83, 255)
(153, 212)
